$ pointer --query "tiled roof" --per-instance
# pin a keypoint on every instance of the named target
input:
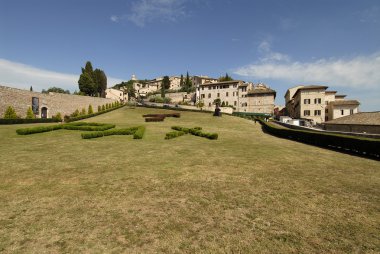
(262, 91)
(222, 83)
(345, 102)
(365, 118)
(310, 87)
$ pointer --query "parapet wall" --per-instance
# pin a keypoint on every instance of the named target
(65, 104)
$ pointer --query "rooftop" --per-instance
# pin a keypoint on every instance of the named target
(366, 118)
(222, 83)
(310, 87)
(345, 102)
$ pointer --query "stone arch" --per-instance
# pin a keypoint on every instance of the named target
(44, 112)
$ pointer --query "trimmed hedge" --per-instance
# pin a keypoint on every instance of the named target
(39, 129)
(69, 126)
(77, 118)
(25, 121)
(196, 131)
(174, 134)
(154, 119)
(139, 133)
(363, 146)
(97, 134)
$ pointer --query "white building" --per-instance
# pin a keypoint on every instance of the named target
(116, 95)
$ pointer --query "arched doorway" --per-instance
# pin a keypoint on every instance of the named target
(44, 112)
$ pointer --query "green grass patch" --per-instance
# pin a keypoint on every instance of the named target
(246, 192)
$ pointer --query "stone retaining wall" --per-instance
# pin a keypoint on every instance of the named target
(66, 104)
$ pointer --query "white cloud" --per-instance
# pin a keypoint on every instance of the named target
(23, 76)
(146, 11)
(361, 72)
(265, 49)
(370, 15)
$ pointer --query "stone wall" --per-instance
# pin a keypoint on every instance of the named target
(66, 104)
(358, 128)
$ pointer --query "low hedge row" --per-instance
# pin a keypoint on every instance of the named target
(196, 131)
(154, 119)
(139, 133)
(97, 134)
(177, 115)
(24, 121)
(363, 146)
(70, 126)
(174, 134)
(39, 129)
(81, 117)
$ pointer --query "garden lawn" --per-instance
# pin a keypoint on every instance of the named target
(246, 192)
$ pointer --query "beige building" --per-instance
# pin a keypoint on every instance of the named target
(243, 97)
(260, 99)
(363, 122)
(116, 95)
(313, 102)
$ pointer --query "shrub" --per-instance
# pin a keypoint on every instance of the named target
(154, 119)
(363, 146)
(99, 108)
(88, 126)
(174, 134)
(30, 114)
(40, 129)
(139, 133)
(75, 113)
(90, 110)
(58, 117)
(196, 131)
(24, 121)
(10, 113)
(95, 134)
(83, 112)
(103, 108)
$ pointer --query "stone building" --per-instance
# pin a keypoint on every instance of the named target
(314, 103)
(46, 105)
(116, 95)
(363, 122)
(243, 97)
(260, 99)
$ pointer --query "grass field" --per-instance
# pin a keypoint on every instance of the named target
(247, 192)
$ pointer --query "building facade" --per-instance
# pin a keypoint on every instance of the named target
(116, 95)
(243, 97)
(314, 103)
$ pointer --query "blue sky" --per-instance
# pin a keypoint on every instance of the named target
(282, 43)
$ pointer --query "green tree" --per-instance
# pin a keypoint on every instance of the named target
(101, 82)
(225, 78)
(103, 108)
(200, 104)
(30, 114)
(58, 117)
(55, 90)
(83, 112)
(90, 110)
(188, 83)
(165, 84)
(76, 113)
(99, 108)
(127, 86)
(10, 113)
(87, 84)
(217, 101)
(181, 82)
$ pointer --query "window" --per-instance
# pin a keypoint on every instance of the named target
(244, 89)
(209, 88)
(226, 94)
(317, 112)
(235, 103)
(203, 88)
(351, 111)
(233, 93)
(202, 96)
(209, 95)
(342, 112)
(235, 86)
(218, 95)
(213, 87)
(209, 104)
(306, 101)
(306, 112)
(317, 101)
(226, 103)
(326, 110)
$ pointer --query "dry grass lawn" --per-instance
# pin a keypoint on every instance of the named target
(247, 192)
